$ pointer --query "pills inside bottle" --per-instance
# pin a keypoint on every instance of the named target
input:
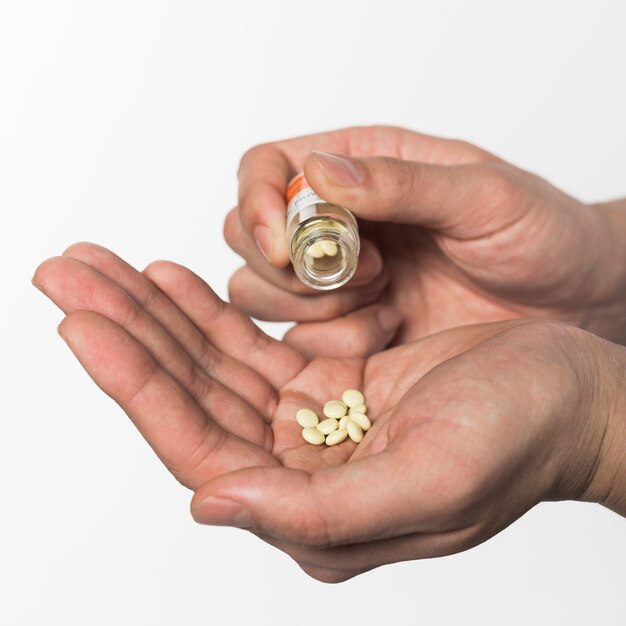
(323, 238)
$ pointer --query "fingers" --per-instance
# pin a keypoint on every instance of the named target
(73, 285)
(265, 301)
(360, 333)
(263, 176)
(369, 266)
(231, 372)
(228, 329)
(383, 495)
(463, 201)
(193, 448)
(265, 171)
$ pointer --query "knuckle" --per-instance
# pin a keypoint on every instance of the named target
(307, 526)
(246, 201)
(398, 178)
(236, 288)
(232, 229)
(329, 307)
(257, 151)
(502, 184)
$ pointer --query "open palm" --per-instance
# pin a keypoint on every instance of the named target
(208, 390)
(216, 399)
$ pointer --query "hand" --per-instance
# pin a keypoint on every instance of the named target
(171, 354)
(474, 426)
(451, 235)
(460, 419)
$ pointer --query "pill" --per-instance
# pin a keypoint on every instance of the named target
(354, 431)
(316, 250)
(361, 419)
(353, 397)
(328, 426)
(335, 408)
(329, 247)
(307, 418)
(336, 437)
(359, 408)
(343, 421)
(314, 436)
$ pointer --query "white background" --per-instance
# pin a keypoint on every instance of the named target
(122, 123)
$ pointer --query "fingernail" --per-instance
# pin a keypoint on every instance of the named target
(340, 170)
(222, 512)
(389, 319)
(36, 285)
(60, 331)
(264, 239)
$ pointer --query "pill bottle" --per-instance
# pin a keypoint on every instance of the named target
(323, 238)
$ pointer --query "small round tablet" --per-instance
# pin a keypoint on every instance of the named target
(329, 247)
(335, 408)
(353, 397)
(362, 420)
(314, 436)
(336, 437)
(354, 432)
(328, 426)
(307, 418)
(316, 250)
(359, 408)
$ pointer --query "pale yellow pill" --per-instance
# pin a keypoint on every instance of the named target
(307, 418)
(328, 426)
(362, 420)
(330, 247)
(359, 408)
(314, 436)
(343, 421)
(335, 408)
(353, 397)
(354, 431)
(336, 437)
(316, 250)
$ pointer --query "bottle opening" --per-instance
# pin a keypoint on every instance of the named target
(324, 257)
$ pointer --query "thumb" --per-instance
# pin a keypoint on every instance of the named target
(365, 499)
(461, 200)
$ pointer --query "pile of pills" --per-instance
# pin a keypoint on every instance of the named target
(344, 418)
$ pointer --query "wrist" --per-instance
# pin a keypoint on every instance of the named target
(606, 477)
(606, 310)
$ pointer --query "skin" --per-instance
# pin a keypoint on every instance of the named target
(451, 235)
(471, 427)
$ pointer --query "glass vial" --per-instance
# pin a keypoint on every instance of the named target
(323, 238)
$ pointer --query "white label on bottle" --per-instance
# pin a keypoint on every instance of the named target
(305, 198)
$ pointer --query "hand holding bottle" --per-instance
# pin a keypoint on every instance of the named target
(450, 235)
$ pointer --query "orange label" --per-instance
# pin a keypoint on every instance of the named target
(296, 185)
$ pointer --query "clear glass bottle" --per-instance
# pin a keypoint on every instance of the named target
(323, 238)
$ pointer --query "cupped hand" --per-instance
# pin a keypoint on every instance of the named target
(471, 427)
(451, 235)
